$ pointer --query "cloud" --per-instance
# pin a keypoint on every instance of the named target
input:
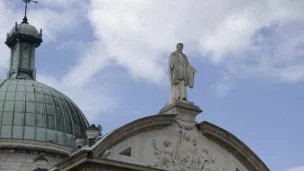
(300, 168)
(247, 39)
(139, 35)
(223, 86)
(93, 97)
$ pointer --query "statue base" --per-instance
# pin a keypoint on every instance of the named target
(186, 111)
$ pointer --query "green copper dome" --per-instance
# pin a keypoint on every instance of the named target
(31, 110)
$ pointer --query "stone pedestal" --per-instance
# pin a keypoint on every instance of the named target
(185, 110)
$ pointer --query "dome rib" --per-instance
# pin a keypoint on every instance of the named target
(71, 118)
(45, 114)
(2, 82)
(3, 104)
(35, 109)
(75, 116)
(63, 114)
(31, 110)
(14, 112)
(80, 120)
(84, 119)
(55, 114)
(79, 117)
(23, 123)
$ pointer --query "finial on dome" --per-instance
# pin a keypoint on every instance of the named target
(16, 26)
(27, 2)
(40, 33)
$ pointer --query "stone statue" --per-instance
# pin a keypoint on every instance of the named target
(181, 74)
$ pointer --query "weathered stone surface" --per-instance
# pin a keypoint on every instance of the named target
(174, 148)
(186, 111)
(22, 161)
(181, 74)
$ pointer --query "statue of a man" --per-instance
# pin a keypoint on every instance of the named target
(181, 74)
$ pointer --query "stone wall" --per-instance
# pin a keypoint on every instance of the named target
(10, 161)
(98, 167)
(143, 150)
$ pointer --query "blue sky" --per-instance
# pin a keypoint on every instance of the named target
(110, 57)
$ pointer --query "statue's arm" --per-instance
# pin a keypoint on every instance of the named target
(193, 69)
(171, 65)
(154, 145)
(171, 61)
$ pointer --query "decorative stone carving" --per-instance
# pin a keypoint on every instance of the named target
(186, 111)
(26, 57)
(165, 158)
(186, 125)
(15, 57)
(187, 156)
(106, 154)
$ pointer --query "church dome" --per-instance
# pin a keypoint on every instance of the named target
(30, 110)
(24, 28)
(23, 32)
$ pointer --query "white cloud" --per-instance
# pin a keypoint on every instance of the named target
(93, 97)
(300, 168)
(139, 35)
(223, 86)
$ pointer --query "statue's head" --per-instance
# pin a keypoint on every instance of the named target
(157, 153)
(187, 137)
(167, 143)
(179, 47)
(194, 141)
(204, 150)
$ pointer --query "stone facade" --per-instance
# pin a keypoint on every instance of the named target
(144, 153)
(11, 161)
(171, 140)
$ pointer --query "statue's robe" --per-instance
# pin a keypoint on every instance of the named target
(181, 75)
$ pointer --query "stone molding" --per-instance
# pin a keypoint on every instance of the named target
(186, 111)
(29, 146)
(214, 133)
(235, 146)
(72, 161)
(153, 122)
(122, 164)
(86, 157)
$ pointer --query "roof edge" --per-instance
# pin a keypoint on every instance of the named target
(235, 146)
(133, 128)
(19, 144)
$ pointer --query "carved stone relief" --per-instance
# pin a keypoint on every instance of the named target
(25, 56)
(185, 125)
(15, 58)
(186, 155)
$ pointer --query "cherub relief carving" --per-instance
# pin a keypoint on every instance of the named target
(186, 151)
(186, 156)
(165, 156)
(205, 161)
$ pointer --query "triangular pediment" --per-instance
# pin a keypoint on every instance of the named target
(172, 140)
